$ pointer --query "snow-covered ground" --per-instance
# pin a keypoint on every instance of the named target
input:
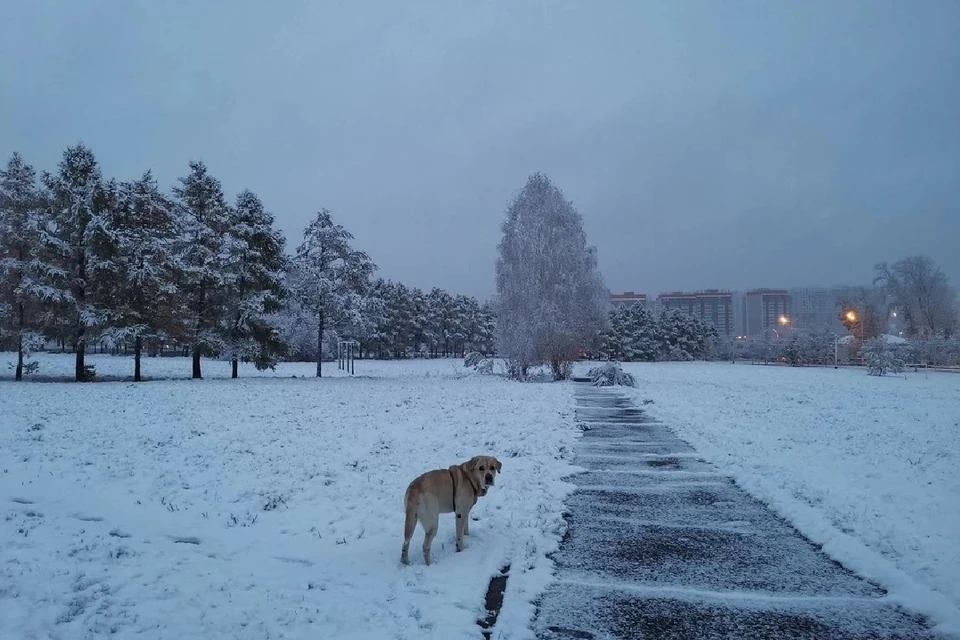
(869, 467)
(269, 507)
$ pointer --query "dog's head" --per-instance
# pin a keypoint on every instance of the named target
(483, 470)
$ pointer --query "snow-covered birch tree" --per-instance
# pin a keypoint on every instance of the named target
(21, 261)
(551, 297)
(203, 216)
(255, 266)
(330, 277)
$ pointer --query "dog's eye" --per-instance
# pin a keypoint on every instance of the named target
(481, 467)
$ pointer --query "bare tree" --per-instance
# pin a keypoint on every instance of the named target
(920, 291)
(863, 311)
(551, 297)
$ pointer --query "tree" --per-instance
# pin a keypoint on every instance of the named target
(21, 263)
(882, 357)
(551, 297)
(920, 291)
(78, 205)
(139, 269)
(863, 311)
(330, 277)
(634, 334)
(203, 216)
(254, 269)
(440, 321)
(684, 337)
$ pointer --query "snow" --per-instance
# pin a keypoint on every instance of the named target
(868, 467)
(268, 506)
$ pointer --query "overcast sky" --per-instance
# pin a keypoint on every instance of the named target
(706, 144)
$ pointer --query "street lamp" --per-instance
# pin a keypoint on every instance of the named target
(853, 318)
(784, 321)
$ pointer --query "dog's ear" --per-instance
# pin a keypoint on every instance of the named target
(499, 466)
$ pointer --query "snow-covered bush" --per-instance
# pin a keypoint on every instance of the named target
(882, 357)
(479, 362)
(610, 374)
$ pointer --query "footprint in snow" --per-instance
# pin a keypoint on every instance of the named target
(84, 518)
(303, 561)
(22, 501)
(185, 539)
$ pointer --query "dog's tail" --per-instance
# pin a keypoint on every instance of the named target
(411, 500)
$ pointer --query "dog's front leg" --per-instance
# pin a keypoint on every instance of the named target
(461, 528)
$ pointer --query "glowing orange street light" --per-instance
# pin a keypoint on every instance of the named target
(784, 320)
(852, 316)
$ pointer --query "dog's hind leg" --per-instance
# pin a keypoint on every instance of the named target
(409, 526)
(430, 526)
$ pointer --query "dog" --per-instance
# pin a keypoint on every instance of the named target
(454, 489)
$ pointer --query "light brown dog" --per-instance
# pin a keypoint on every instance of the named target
(454, 489)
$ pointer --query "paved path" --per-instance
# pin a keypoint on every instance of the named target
(661, 545)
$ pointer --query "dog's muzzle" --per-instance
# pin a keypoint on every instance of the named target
(489, 480)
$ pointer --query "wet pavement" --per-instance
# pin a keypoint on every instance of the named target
(660, 545)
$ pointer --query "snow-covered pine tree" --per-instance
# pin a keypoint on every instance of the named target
(398, 325)
(381, 336)
(255, 265)
(330, 277)
(465, 311)
(486, 329)
(21, 260)
(633, 335)
(439, 321)
(203, 216)
(78, 203)
(684, 337)
(138, 270)
(552, 299)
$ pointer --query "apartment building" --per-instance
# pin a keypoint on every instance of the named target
(765, 310)
(628, 298)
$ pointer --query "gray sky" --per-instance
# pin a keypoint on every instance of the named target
(706, 144)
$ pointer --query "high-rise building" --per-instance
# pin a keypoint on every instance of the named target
(818, 308)
(628, 298)
(713, 306)
(766, 309)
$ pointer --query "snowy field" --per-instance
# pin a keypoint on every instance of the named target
(868, 467)
(268, 507)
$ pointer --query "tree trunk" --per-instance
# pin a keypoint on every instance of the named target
(137, 349)
(201, 299)
(319, 343)
(19, 374)
(233, 373)
(81, 352)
